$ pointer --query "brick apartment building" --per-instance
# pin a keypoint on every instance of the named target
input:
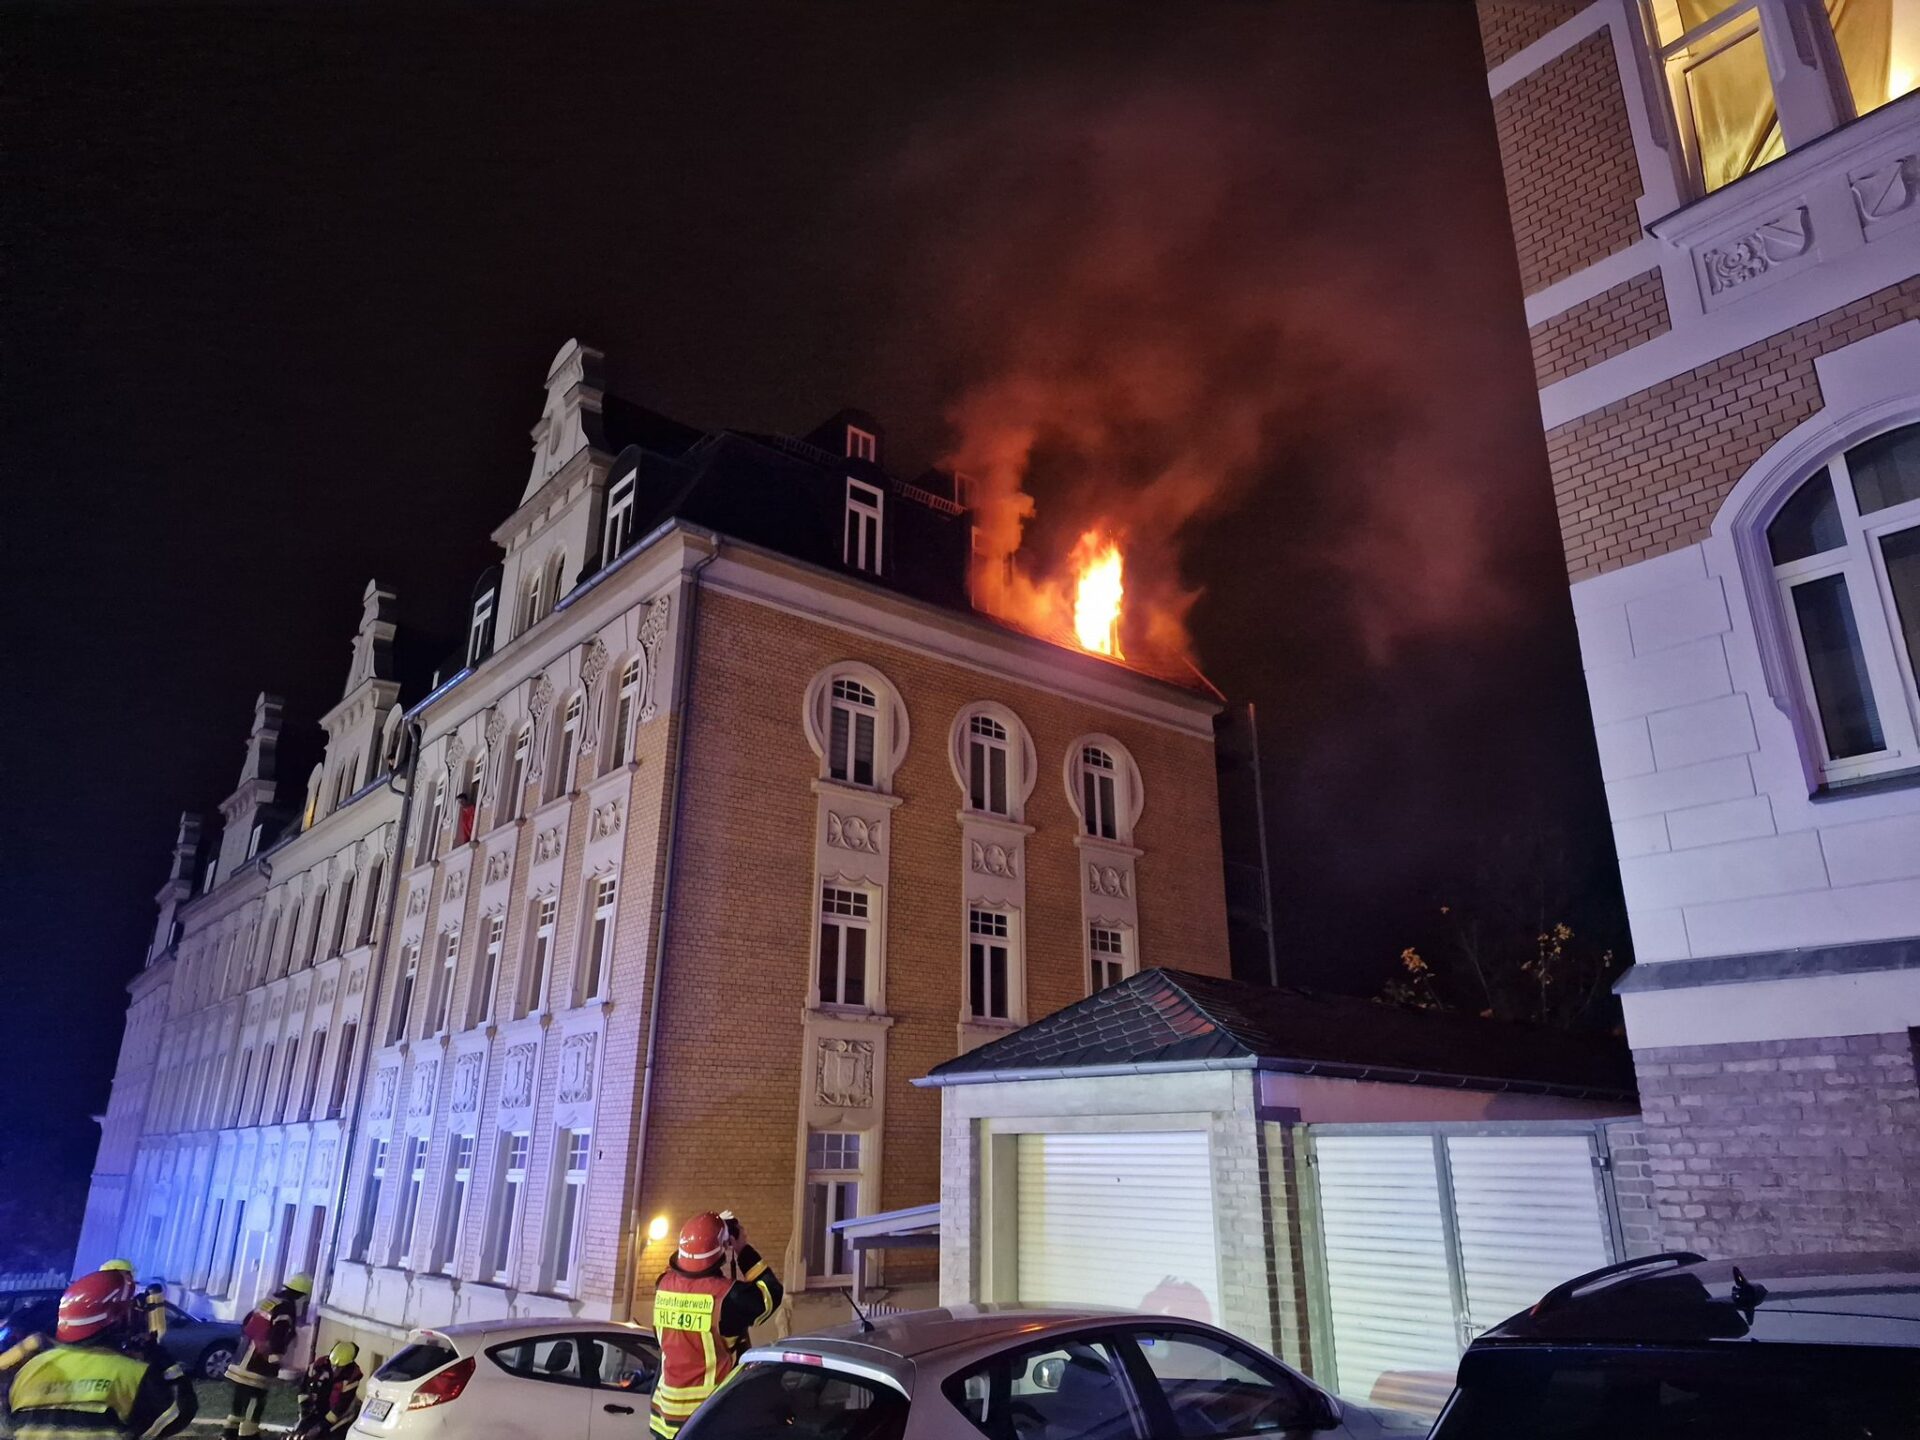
(1716, 209)
(732, 819)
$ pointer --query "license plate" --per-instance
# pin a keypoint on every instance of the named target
(378, 1410)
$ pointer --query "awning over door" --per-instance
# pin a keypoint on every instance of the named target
(1122, 1218)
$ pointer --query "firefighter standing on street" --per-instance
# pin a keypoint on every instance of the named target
(701, 1314)
(330, 1394)
(266, 1336)
(86, 1386)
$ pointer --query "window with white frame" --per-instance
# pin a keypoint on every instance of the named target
(403, 992)
(566, 748)
(618, 532)
(293, 938)
(412, 1188)
(369, 1200)
(513, 787)
(989, 964)
(1107, 956)
(317, 1054)
(1099, 792)
(480, 627)
(556, 579)
(864, 510)
(861, 444)
(626, 705)
(286, 1080)
(568, 1208)
(597, 963)
(833, 1194)
(1845, 547)
(852, 731)
(343, 1069)
(313, 933)
(344, 917)
(481, 1009)
(237, 1103)
(264, 957)
(530, 601)
(509, 1195)
(844, 927)
(443, 983)
(1752, 79)
(989, 765)
(259, 1111)
(533, 993)
(453, 1205)
(370, 907)
(432, 821)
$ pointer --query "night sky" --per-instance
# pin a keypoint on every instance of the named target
(281, 288)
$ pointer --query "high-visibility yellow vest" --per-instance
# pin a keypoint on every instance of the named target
(76, 1392)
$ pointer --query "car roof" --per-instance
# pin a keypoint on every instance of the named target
(478, 1334)
(1680, 1298)
(921, 1332)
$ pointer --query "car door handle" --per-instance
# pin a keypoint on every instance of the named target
(617, 1409)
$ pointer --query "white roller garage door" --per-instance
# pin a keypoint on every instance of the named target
(1120, 1218)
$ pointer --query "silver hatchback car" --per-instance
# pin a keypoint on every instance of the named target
(1020, 1373)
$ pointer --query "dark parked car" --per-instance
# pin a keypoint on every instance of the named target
(1673, 1346)
(204, 1347)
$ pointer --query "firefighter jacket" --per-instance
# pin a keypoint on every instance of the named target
(95, 1392)
(329, 1397)
(266, 1337)
(701, 1320)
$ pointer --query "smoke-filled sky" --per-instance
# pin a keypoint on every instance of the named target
(1232, 278)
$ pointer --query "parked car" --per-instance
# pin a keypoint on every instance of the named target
(515, 1380)
(204, 1348)
(1020, 1373)
(1674, 1346)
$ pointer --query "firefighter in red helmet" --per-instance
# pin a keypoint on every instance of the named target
(87, 1387)
(715, 1289)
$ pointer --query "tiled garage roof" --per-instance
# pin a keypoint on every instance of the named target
(1174, 1017)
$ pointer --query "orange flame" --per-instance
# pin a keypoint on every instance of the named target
(1097, 567)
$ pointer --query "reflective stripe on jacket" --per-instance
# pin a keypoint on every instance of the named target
(90, 1392)
(701, 1321)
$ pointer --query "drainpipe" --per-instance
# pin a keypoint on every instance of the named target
(371, 1008)
(683, 697)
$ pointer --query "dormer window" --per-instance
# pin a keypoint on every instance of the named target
(619, 527)
(861, 445)
(480, 628)
(864, 509)
(530, 611)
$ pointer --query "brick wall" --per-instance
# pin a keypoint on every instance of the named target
(1509, 26)
(1646, 475)
(1633, 1188)
(1632, 312)
(1572, 177)
(1793, 1146)
(726, 1119)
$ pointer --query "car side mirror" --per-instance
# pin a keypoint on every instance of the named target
(1323, 1411)
(1047, 1373)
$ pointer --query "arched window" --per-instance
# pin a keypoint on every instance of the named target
(1103, 786)
(530, 611)
(993, 760)
(1845, 550)
(857, 725)
(556, 579)
(625, 709)
(566, 748)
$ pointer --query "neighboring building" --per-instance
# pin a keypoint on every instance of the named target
(1720, 265)
(221, 1155)
(737, 820)
(1357, 1187)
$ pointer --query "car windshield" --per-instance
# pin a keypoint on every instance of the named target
(1748, 1392)
(410, 1362)
(799, 1402)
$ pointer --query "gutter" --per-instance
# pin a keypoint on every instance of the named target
(683, 696)
(370, 1010)
(1326, 1069)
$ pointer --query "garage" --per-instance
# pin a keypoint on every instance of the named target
(1120, 1218)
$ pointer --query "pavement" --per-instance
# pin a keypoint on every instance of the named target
(216, 1395)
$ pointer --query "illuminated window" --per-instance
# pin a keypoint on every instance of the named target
(833, 1194)
(618, 532)
(989, 965)
(1736, 113)
(844, 924)
(865, 505)
(1845, 547)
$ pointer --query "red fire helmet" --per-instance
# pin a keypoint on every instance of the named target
(95, 1305)
(702, 1239)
